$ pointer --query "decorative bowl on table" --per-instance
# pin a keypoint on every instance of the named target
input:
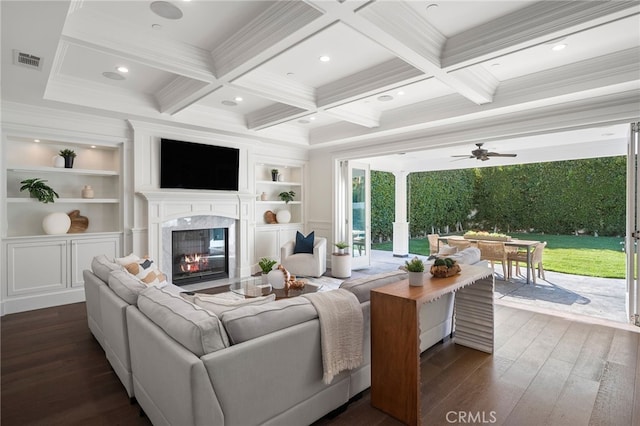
(444, 267)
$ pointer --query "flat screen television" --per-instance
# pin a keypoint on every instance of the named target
(189, 165)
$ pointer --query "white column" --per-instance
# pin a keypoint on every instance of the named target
(400, 225)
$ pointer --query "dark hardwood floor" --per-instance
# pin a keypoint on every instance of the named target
(546, 370)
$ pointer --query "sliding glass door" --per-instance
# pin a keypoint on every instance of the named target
(633, 224)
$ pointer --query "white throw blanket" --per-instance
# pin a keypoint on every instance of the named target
(341, 330)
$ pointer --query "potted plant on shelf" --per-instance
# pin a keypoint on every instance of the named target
(39, 189)
(283, 215)
(341, 245)
(415, 267)
(274, 174)
(68, 155)
(266, 265)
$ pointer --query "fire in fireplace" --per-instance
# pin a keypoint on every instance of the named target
(199, 255)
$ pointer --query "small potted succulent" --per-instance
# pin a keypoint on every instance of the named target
(415, 267)
(39, 189)
(266, 265)
(341, 246)
(68, 155)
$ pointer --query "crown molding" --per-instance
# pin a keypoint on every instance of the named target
(182, 92)
(368, 82)
(540, 22)
(62, 124)
(278, 22)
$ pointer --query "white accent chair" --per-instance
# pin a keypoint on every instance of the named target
(305, 264)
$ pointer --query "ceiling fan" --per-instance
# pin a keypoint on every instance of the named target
(483, 154)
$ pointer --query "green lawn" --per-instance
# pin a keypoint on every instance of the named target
(578, 255)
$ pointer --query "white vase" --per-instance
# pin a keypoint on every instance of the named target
(56, 223)
(58, 161)
(276, 278)
(283, 216)
(416, 279)
(87, 192)
(263, 196)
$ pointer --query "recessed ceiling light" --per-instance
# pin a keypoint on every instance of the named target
(432, 7)
(229, 103)
(238, 99)
(559, 47)
(122, 69)
(385, 98)
(156, 26)
(93, 146)
(36, 140)
(400, 93)
(165, 10)
(113, 75)
(324, 58)
(312, 118)
(290, 74)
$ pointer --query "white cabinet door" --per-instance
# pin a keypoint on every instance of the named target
(35, 267)
(84, 250)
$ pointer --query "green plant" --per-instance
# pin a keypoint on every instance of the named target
(414, 265)
(274, 171)
(287, 196)
(67, 153)
(266, 264)
(341, 245)
(39, 189)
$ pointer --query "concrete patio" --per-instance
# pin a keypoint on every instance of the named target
(589, 297)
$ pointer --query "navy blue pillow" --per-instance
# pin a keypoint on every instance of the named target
(304, 244)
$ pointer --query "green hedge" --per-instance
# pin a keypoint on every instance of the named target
(580, 196)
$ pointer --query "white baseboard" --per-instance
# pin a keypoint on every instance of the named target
(29, 303)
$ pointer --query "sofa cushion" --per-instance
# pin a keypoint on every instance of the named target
(195, 328)
(251, 321)
(220, 303)
(126, 286)
(362, 286)
(304, 244)
(102, 266)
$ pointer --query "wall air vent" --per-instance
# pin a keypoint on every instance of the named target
(27, 60)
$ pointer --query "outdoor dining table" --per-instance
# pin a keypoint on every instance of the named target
(526, 244)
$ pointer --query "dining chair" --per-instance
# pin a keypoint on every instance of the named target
(536, 260)
(433, 243)
(459, 244)
(494, 251)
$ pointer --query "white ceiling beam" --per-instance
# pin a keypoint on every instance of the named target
(274, 115)
(532, 25)
(277, 88)
(182, 92)
(360, 116)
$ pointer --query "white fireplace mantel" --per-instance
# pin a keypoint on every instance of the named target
(168, 205)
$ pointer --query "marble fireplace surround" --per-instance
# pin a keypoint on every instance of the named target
(169, 211)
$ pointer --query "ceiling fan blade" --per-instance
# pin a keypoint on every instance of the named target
(464, 156)
(496, 154)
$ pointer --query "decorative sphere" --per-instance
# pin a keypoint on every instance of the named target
(56, 223)
(283, 216)
(276, 278)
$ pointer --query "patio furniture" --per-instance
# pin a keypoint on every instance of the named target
(459, 244)
(536, 261)
(494, 251)
(433, 243)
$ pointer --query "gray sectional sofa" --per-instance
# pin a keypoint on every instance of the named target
(253, 364)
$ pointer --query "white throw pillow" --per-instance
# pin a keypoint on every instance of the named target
(224, 302)
(447, 249)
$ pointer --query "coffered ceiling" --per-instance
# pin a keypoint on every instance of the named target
(398, 71)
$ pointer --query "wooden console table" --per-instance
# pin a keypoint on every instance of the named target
(395, 334)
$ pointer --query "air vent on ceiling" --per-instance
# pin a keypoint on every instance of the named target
(27, 60)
